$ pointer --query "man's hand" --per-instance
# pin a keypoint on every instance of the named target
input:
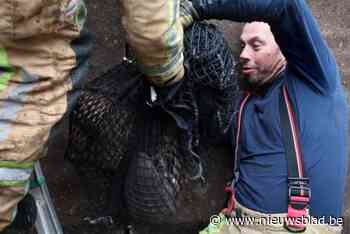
(187, 13)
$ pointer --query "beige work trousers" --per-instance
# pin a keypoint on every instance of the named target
(36, 60)
(219, 224)
(155, 35)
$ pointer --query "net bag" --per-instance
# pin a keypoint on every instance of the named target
(212, 68)
(102, 120)
(176, 174)
(163, 155)
(173, 160)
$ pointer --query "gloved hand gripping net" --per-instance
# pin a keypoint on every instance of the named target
(163, 141)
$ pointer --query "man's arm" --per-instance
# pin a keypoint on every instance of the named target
(155, 34)
(294, 28)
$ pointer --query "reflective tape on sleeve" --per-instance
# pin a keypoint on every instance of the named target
(11, 174)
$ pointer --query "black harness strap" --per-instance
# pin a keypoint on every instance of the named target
(298, 184)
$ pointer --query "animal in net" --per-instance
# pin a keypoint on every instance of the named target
(203, 105)
(172, 165)
(102, 119)
(213, 69)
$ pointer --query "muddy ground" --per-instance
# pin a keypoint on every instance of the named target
(77, 199)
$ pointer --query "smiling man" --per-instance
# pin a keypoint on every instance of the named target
(299, 71)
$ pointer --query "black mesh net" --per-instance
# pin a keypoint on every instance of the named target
(212, 67)
(102, 120)
(114, 120)
(210, 59)
(164, 155)
(153, 179)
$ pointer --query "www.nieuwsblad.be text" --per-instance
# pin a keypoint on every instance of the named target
(269, 220)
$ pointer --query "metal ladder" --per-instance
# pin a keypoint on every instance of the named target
(47, 221)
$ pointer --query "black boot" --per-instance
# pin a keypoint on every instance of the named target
(26, 214)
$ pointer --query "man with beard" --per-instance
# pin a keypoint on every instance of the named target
(304, 76)
(290, 140)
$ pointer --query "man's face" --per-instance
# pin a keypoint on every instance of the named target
(260, 53)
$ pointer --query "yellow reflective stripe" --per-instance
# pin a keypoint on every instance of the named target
(16, 165)
(173, 48)
(6, 72)
(6, 184)
(15, 174)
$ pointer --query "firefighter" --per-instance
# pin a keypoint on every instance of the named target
(43, 57)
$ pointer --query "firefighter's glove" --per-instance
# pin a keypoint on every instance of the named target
(187, 13)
